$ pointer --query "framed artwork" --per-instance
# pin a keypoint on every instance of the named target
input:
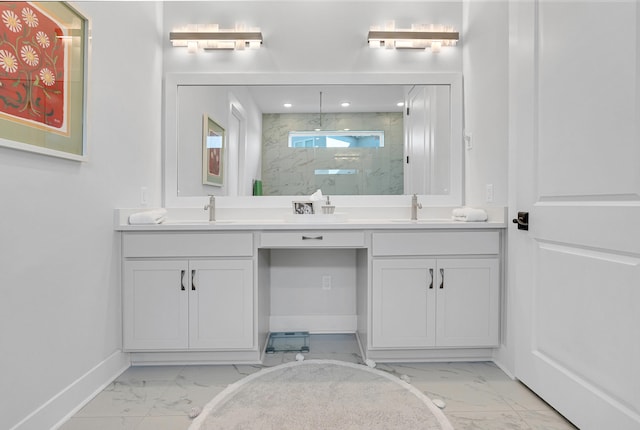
(213, 145)
(43, 78)
(304, 207)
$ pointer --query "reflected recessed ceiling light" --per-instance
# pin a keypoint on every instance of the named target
(400, 104)
(345, 104)
(287, 105)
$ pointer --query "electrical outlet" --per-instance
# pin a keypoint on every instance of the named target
(326, 282)
(489, 193)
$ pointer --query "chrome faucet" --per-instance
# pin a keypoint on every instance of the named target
(414, 207)
(212, 207)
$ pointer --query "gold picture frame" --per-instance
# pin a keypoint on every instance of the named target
(43, 77)
(213, 152)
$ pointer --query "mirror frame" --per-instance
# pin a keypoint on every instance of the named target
(172, 81)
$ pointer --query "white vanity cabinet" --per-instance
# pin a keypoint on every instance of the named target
(211, 293)
(188, 291)
(435, 289)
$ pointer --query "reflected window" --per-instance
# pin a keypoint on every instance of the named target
(336, 172)
(336, 139)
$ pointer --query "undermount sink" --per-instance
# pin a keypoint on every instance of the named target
(422, 221)
(196, 222)
(316, 218)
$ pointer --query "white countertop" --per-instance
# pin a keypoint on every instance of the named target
(194, 220)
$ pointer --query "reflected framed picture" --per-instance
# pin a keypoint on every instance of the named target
(303, 207)
(43, 78)
(213, 146)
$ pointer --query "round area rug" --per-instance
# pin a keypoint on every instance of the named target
(321, 394)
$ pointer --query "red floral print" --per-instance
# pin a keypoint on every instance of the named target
(32, 65)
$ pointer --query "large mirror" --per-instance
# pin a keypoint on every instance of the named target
(377, 134)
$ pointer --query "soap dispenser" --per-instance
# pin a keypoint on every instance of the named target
(328, 208)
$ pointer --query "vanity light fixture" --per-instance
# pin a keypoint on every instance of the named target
(418, 37)
(287, 105)
(345, 104)
(197, 37)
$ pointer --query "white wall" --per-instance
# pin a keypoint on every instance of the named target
(60, 329)
(330, 36)
(193, 102)
(311, 36)
(485, 74)
(300, 301)
(486, 97)
(59, 278)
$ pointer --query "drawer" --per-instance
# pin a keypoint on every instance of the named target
(436, 243)
(192, 244)
(312, 239)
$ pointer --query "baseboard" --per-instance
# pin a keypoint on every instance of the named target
(57, 410)
(314, 323)
(498, 359)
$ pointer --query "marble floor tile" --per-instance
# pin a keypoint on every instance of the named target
(547, 419)
(518, 396)
(464, 396)
(213, 375)
(179, 400)
(125, 398)
(102, 423)
(478, 420)
(478, 395)
(181, 422)
(270, 360)
(150, 373)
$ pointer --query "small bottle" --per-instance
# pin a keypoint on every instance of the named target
(328, 208)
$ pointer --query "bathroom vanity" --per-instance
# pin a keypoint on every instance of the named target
(200, 292)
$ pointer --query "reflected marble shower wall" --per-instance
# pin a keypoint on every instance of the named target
(292, 171)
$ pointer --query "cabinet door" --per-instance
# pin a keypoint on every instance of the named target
(155, 305)
(221, 304)
(403, 303)
(468, 298)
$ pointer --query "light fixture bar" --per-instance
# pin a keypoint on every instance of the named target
(413, 35)
(215, 35)
(209, 37)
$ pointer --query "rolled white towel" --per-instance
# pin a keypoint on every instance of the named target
(469, 215)
(155, 216)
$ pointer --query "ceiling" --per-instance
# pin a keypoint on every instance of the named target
(306, 98)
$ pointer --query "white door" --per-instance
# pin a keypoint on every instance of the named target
(239, 130)
(403, 303)
(233, 146)
(221, 304)
(575, 166)
(155, 305)
(418, 142)
(467, 302)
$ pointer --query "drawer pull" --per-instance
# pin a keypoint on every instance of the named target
(441, 279)
(193, 284)
(182, 288)
(311, 237)
(431, 274)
